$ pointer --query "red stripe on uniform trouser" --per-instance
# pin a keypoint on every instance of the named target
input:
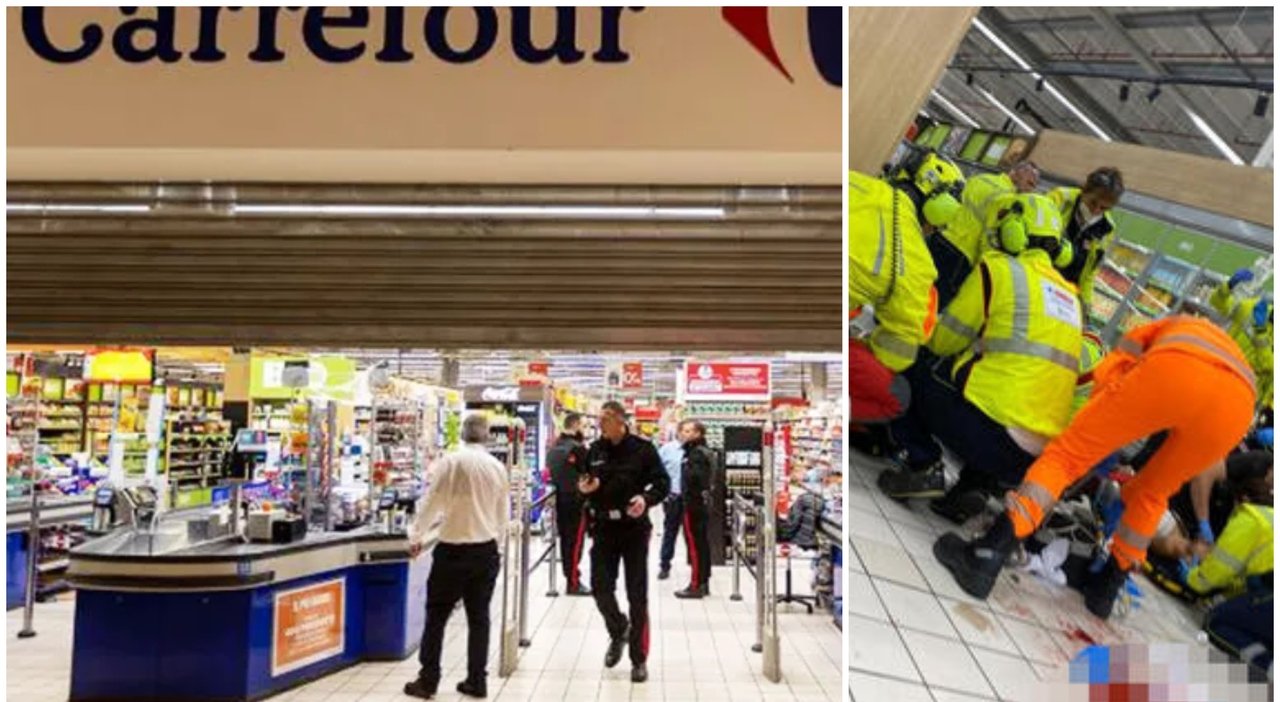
(695, 580)
(577, 551)
(644, 637)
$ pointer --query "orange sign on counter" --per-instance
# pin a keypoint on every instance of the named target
(307, 625)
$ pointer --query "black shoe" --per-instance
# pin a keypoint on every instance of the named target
(693, 593)
(905, 484)
(639, 673)
(959, 507)
(473, 689)
(579, 591)
(616, 645)
(1102, 588)
(976, 564)
(664, 573)
(419, 689)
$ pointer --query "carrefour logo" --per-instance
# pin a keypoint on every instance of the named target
(825, 27)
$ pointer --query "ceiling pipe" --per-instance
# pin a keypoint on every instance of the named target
(1241, 83)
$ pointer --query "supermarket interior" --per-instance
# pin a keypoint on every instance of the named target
(1152, 128)
(299, 253)
(136, 454)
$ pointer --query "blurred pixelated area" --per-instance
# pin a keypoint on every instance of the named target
(1157, 673)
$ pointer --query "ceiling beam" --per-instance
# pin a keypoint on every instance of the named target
(1266, 154)
(996, 21)
(1160, 19)
(1112, 26)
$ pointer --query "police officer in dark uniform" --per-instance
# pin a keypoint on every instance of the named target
(696, 476)
(624, 480)
(567, 460)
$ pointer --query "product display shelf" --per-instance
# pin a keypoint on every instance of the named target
(735, 431)
(195, 453)
(399, 452)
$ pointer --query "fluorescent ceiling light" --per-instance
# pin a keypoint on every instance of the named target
(1048, 86)
(954, 110)
(74, 208)
(1008, 113)
(813, 357)
(500, 211)
(1213, 137)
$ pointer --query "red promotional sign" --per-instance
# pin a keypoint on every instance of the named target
(539, 368)
(741, 382)
(632, 376)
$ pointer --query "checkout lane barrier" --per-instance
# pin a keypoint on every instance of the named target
(526, 539)
(33, 553)
(765, 572)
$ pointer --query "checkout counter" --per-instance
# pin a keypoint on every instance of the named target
(164, 613)
(54, 511)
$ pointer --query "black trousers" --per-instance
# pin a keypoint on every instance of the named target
(673, 518)
(940, 412)
(625, 545)
(571, 523)
(466, 572)
(697, 540)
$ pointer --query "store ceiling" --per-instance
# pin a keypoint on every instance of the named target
(627, 267)
(1087, 54)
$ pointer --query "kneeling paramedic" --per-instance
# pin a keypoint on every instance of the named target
(1012, 342)
(892, 273)
(1179, 374)
(624, 480)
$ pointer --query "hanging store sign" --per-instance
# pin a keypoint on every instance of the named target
(133, 366)
(738, 382)
(632, 376)
(308, 625)
(327, 377)
(361, 93)
(503, 394)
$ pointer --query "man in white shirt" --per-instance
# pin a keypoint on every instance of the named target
(467, 507)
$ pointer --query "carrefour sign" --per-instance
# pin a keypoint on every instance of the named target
(421, 94)
(334, 35)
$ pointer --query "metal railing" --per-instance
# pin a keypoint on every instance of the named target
(518, 567)
(763, 570)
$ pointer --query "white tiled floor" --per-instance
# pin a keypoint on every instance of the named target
(701, 650)
(913, 634)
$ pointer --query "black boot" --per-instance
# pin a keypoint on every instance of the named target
(904, 484)
(693, 593)
(959, 506)
(471, 688)
(976, 564)
(664, 572)
(616, 646)
(1102, 588)
(639, 673)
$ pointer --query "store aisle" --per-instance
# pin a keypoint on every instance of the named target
(701, 651)
(914, 635)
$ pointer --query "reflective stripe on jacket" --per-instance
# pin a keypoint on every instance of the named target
(890, 268)
(1254, 342)
(1243, 549)
(1015, 325)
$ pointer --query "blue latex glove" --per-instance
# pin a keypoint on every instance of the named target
(1205, 531)
(1243, 275)
(1110, 511)
(1184, 570)
(1261, 311)
(1266, 436)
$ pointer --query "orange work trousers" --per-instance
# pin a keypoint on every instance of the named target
(1205, 407)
